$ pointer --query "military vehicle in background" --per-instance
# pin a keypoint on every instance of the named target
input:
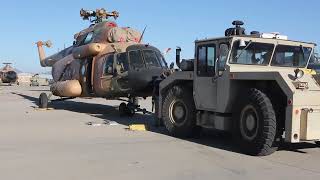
(37, 80)
(255, 86)
(104, 61)
(8, 74)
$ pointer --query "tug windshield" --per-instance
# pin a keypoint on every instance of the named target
(291, 56)
(252, 53)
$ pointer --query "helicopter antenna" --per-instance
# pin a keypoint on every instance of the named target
(144, 30)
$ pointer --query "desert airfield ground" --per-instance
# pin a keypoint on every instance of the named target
(58, 145)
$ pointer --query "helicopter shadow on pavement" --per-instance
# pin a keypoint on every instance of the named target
(101, 111)
(107, 113)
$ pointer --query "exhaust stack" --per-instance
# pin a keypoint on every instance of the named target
(178, 56)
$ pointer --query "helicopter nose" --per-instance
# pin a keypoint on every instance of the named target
(11, 75)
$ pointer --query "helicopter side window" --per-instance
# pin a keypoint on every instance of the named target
(108, 67)
(151, 58)
(122, 62)
(136, 61)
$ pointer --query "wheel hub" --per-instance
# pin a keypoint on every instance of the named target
(249, 123)
(178, 112)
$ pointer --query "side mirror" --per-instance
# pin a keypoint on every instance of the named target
(172, 65)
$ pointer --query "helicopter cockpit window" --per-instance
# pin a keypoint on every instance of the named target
(151, 58)
(162, 61)
(136, 61)
(122, 62)
(108, 67)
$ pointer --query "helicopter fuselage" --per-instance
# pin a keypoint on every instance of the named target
(105, 61)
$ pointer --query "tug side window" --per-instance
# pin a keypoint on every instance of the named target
(206, 60)
(224, 50)
(136, 61)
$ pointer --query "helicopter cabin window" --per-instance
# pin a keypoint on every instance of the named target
(206, 60)
(122, 62)
(136, 61)
(151, 58)
(88, 38)
(251, 53)
(162, 61)
(108, 67)
(291, 56)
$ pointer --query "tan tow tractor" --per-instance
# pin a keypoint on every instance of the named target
(255, 86)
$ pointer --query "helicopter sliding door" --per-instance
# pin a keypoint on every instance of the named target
(102, 75)
(85, 77)
(107, 73)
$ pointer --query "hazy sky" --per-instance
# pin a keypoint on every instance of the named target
(170, 23)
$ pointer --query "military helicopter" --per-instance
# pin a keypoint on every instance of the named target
(8, 74)
(105, 61)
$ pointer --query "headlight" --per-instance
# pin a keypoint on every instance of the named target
(298, 73)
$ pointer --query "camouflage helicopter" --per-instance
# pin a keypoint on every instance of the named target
(105, 61)
(8, 74)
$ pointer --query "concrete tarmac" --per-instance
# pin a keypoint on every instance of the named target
(58, 144)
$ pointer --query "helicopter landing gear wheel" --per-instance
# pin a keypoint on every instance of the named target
(131, 109)
(126, 109)
(123, 109)
(43, 101)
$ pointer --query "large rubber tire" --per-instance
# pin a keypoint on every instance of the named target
(43, 101)
(179, 113)
(157, 121)
(255, 124)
